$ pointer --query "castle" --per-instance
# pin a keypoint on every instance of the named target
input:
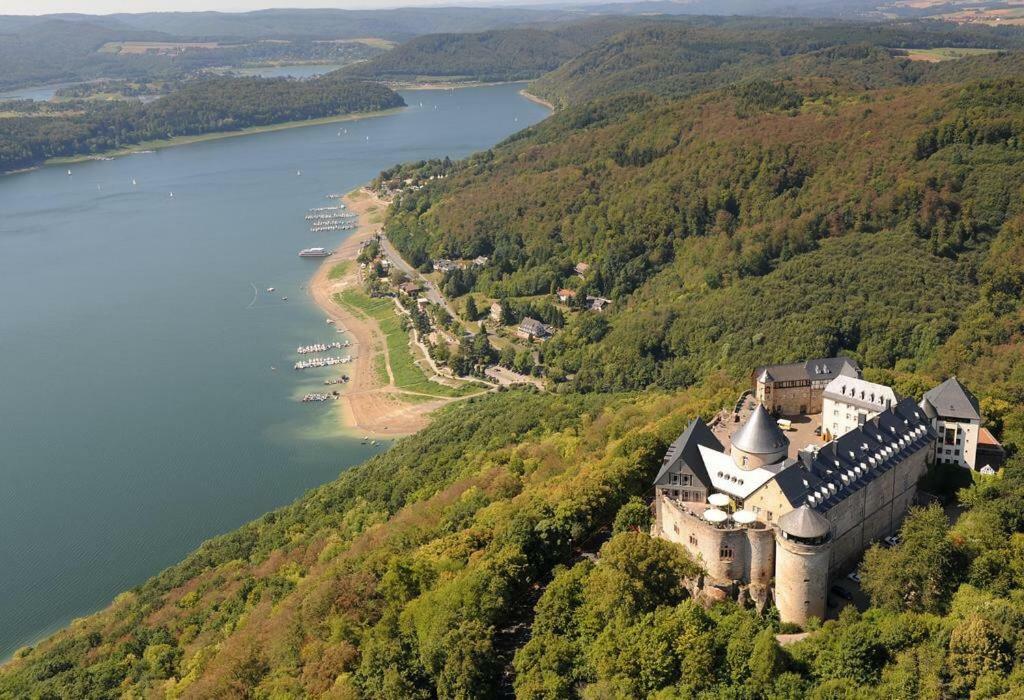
(768, 520)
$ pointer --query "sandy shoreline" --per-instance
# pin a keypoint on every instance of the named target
(533, 98)
(368, 406)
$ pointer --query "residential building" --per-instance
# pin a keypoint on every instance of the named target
(496, 312)
(848, 402)
(532, 328)
(797, 388)
(566, 295)
(956, 419)
(597, 303)
(445, 265)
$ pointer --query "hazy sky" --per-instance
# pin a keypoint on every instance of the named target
(39, 7)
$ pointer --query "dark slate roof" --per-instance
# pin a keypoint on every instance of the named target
(951, 399)
(685, 449)
(760, 434)
(533, 327)
(811, 370)
(796, 482)
(853, 460)
(804, 523)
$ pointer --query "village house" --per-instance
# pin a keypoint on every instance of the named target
(598, 304)
(797, 388)
(532, 328)
(848, 402)
(582, 269)
(496, 312)
(445, 265)
(566, 295)
(410, 288)
(480, 260)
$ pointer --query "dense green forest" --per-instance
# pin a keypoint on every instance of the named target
(61, 50)
(766, 221)
(680, 57)
(838, 207)
(508, 54)
(198, 107)
(452, 566)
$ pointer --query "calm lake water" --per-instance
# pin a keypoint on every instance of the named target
(138, 411)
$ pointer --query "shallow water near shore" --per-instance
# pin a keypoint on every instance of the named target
(139, 414)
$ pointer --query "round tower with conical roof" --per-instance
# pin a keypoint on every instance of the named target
(759, 441)
(803, 551)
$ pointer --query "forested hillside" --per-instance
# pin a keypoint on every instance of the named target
(452, 567)
(61, 50)
(838, 207)
(680, 57)
(30, 134)
(766, 221)
(509, 54)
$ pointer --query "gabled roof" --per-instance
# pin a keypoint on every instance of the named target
(686, 448)
(951, 399)
(810, 370)
(760, 434)
(860, 392)
(853, 460)
(804, 523)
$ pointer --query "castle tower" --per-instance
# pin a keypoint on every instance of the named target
(759, 442)
(803, 548)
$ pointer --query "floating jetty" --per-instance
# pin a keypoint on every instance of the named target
(321, 362)
(330, 227)
(321, 347)
(317, 398)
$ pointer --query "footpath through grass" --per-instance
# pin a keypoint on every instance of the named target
(407, 373)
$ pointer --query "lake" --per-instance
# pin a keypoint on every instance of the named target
(139, 414)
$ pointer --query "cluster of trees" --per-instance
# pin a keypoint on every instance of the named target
(451, 567)
(201, 106)
(507, 54)
(50, 50)
(681, 57)
(731, 227)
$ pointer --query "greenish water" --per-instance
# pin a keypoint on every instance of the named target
(138, 411)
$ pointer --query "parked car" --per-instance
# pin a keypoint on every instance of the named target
(854, 576)
(841, 592)
(892, 540)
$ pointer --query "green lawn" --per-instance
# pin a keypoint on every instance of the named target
(407, 373)
(339, 270)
